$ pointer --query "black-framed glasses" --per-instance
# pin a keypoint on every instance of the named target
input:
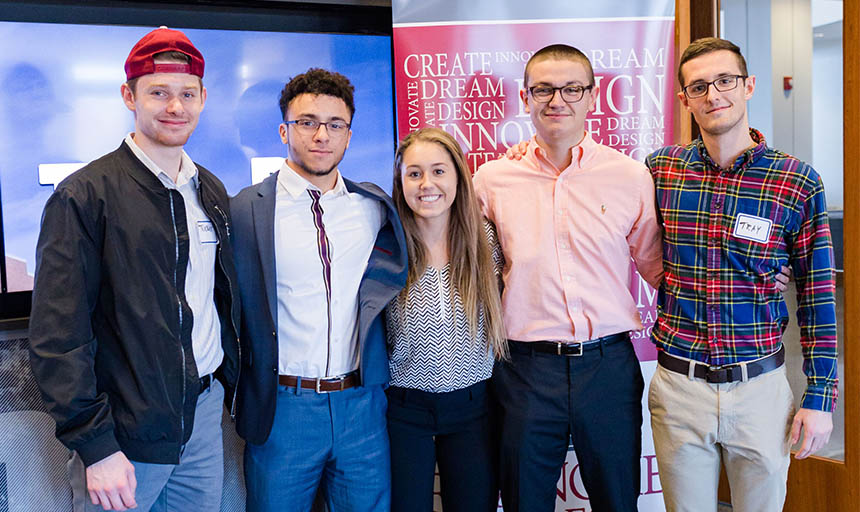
(310, 126)
(723, 84)
(569, 93)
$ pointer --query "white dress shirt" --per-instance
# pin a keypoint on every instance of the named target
(200, 271)
(311, 341)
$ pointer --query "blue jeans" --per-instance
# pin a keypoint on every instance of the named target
(338, 440)
(196, 483)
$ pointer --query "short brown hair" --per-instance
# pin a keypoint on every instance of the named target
(171, 56)
(707, 45)
(559, 52)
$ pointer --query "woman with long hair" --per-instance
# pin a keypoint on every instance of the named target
(444, 331)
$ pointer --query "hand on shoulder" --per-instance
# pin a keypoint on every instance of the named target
(517, 151)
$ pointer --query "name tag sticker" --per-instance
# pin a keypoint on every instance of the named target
(206, 232)
(750, 227)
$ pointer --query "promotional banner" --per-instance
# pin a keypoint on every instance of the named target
(459, 67)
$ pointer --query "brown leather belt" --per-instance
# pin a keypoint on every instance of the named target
(321, 385)
(726, 373)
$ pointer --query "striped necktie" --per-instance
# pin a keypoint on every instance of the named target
(324, 248)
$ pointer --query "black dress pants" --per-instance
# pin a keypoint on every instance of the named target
(451, 429)
(547, 399)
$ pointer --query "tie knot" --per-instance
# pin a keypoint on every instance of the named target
(315, 194)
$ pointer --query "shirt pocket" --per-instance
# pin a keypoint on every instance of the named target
(754, 237)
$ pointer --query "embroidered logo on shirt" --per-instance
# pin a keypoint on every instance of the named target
(206, 232)
(750, 227)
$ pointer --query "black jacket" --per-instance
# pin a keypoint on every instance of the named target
(110, 329)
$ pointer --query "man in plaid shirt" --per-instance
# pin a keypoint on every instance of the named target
(733, 211)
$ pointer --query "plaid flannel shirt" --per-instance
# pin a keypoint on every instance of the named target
(726, 233)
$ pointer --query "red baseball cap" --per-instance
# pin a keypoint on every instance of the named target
(140, 59)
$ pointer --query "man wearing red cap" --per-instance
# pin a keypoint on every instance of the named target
(135, 305)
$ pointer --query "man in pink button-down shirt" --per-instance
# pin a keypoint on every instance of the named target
(570, 216)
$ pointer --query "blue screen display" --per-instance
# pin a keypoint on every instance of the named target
(60, 103)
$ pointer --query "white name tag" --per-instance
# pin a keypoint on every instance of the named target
(206, 232)
(750, 227)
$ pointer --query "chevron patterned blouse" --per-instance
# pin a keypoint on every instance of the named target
(429, 344)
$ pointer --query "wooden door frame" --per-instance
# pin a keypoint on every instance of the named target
(814, 483)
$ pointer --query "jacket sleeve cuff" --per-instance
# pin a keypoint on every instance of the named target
(98, 448)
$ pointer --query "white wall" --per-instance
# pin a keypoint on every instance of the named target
(827, 117)
(791, 55)
(747, 24)
(776, 37)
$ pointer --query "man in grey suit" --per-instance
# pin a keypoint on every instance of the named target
(318, 258)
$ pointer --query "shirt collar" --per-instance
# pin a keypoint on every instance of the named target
(743, 160)
(295, 185)
(187, 169)
(581, 154)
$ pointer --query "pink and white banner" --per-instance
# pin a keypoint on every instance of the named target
(459, 66)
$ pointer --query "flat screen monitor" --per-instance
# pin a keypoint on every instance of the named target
(60, 107)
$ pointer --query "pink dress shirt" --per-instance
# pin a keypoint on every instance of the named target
(568, 237)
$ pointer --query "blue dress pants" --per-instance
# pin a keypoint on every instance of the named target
(545, 400)
(335, 440)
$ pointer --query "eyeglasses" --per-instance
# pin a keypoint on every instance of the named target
(722, 84)
(310, 126)
(569, 93)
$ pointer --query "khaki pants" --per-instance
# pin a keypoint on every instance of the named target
(746, 425)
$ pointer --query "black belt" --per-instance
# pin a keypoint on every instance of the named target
(564, 348)
(205, 382)
(726, 373)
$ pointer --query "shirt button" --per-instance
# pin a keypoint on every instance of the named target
(567, 279)
(563, 245)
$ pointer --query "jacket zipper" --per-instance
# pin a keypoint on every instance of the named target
(232, 299)
(179, 302)
(223, 215)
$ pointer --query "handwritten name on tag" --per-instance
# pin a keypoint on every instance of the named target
(750, 227)
(206, 232)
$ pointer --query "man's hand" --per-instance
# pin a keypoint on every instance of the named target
(111, 483)
(816, 426)
(517, 151)
(782, 278)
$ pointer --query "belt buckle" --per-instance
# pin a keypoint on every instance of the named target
(559, 344)
(713, 373)
(726, 373)
(336, 379)
(317, 387)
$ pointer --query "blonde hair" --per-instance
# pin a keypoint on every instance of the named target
(471, 261)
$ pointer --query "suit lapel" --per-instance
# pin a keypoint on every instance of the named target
(263, 209)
